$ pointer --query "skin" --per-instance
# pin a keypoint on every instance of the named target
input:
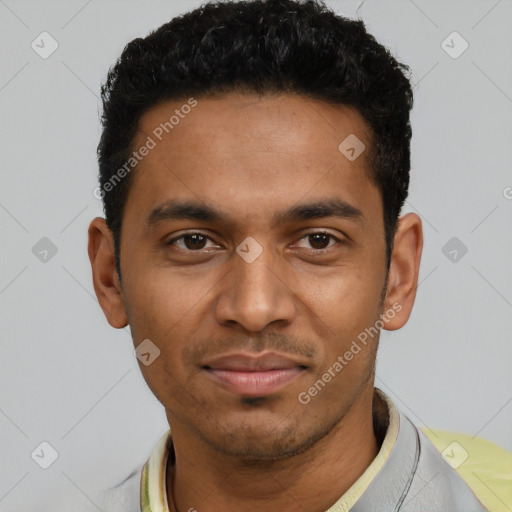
(251, 157)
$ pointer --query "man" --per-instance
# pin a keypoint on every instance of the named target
(253, 164)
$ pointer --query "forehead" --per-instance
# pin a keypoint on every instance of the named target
(251, 154)
(253, 123)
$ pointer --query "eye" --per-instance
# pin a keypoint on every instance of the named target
(191, 241)
(319, 240)
(196, 241)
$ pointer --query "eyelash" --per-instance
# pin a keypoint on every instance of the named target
(310, 251)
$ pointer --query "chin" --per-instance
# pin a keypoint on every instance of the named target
(255, 443)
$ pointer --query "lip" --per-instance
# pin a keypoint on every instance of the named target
(254, 376)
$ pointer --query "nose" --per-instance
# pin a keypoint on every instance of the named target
(255, 294)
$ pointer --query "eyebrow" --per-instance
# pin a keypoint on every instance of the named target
(190, 210)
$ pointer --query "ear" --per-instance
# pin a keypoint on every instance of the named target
(403, 272)
(104, 275)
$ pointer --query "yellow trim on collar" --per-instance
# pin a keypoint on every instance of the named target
(153, 481)
(361, 484)
(153, 495)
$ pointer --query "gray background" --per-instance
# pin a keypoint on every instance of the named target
(69, 379)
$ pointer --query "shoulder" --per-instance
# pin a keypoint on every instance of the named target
(484, 466)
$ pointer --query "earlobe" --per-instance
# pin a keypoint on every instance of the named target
(104, 275)
(403, 272)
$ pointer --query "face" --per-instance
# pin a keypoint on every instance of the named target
(253, 256)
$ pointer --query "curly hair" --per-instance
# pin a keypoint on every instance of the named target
(263, 47)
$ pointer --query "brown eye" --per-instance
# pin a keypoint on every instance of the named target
(319, 240)
(192, 242)
(195, 241)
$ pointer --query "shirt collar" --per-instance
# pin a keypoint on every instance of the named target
(153, 493)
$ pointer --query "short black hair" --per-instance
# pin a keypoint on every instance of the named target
(263, 47)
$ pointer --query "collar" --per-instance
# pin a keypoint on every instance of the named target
(386, 424)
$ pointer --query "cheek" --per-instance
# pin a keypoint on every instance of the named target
(166, 309)
(163, 313)
(347, 300)
(347, 311)
(162, 301)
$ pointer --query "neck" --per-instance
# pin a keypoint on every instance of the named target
(202, 479)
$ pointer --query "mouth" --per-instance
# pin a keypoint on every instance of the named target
(251, 376)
